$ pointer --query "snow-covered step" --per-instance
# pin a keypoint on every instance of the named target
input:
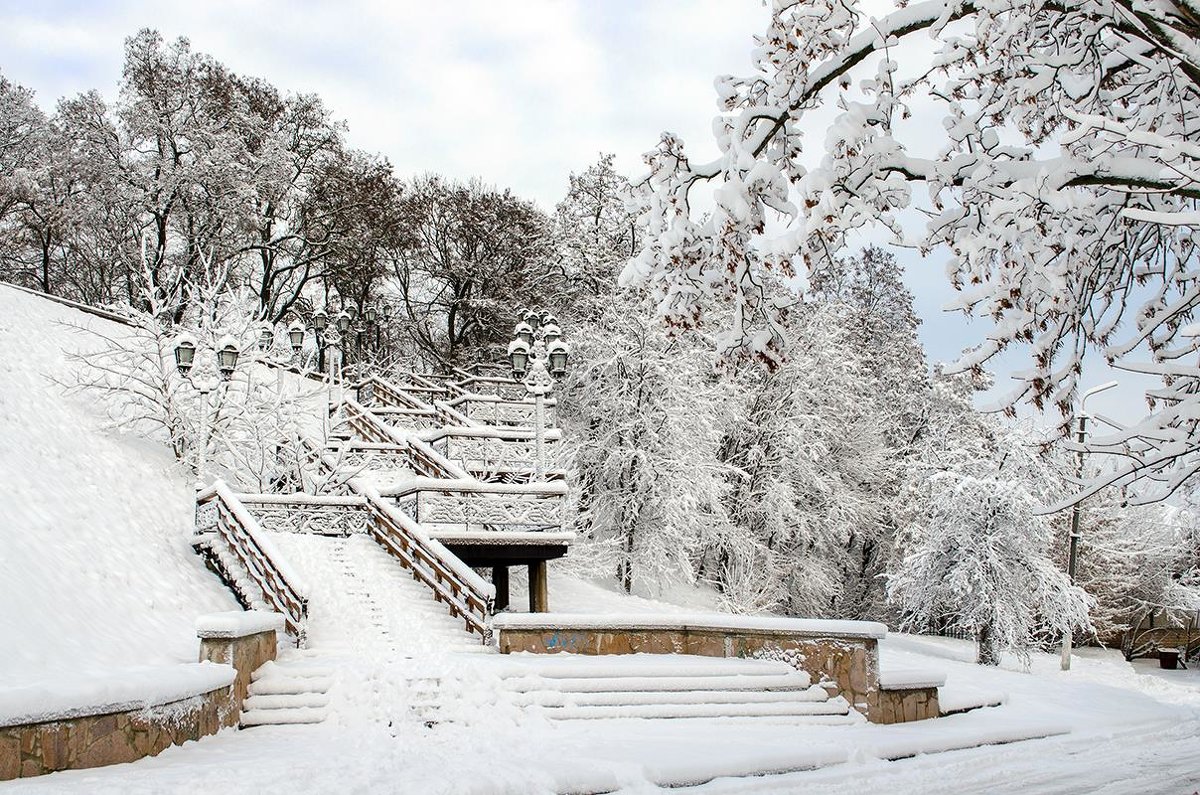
(673, 665)
(792, 681)
(292, 669)
(835, 707)
(287, 701)
(289, 685)
(282, 717)
(668, 687)
(555, 698)
(292, 689)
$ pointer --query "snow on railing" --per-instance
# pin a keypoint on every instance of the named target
(424, 459)
(468, 595)
(494, 410)
(493, 453)
(281, 586)
(305, 513)
(452, 416)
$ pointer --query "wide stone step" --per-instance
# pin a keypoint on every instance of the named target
(282, 717)
(557, 698)
(287, 685)
(606, 666)
(286, 701)
(836, 707)
(790, 681)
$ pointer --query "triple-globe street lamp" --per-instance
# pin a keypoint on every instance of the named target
(538, 357)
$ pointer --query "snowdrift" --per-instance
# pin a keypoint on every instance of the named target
(95, 569)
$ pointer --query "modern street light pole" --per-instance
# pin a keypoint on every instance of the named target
(538, 356)
(1076, 509)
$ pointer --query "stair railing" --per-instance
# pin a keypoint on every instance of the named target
(467, 595)
(425, 460)
(280, 586)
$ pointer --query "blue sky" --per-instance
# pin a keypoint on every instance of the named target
(518, 93)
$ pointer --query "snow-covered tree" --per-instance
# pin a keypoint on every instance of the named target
(1061, 180)
(807, 461)
(976, 551)
(475, 255)
(595, 232)
(881, 331)
(644, 416)
(251, 426)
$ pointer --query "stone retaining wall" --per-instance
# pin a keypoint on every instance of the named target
(108, 739)
(242, 640)
(848, 662)
(909, 704)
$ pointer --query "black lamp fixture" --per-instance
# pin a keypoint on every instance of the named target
(558, 352)
(296, 335)
(518, 358)
(185, 355)
(227, 358)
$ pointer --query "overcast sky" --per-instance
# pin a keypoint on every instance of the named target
(518, 93)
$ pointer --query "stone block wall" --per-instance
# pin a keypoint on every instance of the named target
(245, 654)
(242, 640)
(95, 740)
(908, 704)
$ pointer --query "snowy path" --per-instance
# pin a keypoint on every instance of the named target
(391, 654)
(363, 602)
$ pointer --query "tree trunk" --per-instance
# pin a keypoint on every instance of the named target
(988, 651)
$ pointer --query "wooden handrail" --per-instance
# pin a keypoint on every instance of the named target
(281, 587)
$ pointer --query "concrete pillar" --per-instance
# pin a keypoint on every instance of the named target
(539, 599)
(500, 580)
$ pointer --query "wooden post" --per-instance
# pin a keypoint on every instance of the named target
(539, 600)
(500, 580)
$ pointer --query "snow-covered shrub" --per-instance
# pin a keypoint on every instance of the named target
(251, 425)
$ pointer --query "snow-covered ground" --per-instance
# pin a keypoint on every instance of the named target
(95, 569)
(1130, 731)
(95, 574)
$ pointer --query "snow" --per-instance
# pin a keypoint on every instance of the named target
(910, 679)
(469, 484)
(392, 652)
(693, 621)
(120, 690)
(238, 623)
(95, 569)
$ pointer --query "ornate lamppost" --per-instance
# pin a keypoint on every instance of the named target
(320, 321)
(538, 357)
(205, 378)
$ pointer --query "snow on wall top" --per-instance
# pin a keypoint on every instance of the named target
(718, 621)
(95, 569)
(238, 623)
(910, 679)
(116, 691)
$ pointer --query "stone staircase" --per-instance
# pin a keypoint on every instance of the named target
(290, 690)
(652, 687)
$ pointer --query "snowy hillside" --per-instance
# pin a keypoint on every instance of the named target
(95, 569)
